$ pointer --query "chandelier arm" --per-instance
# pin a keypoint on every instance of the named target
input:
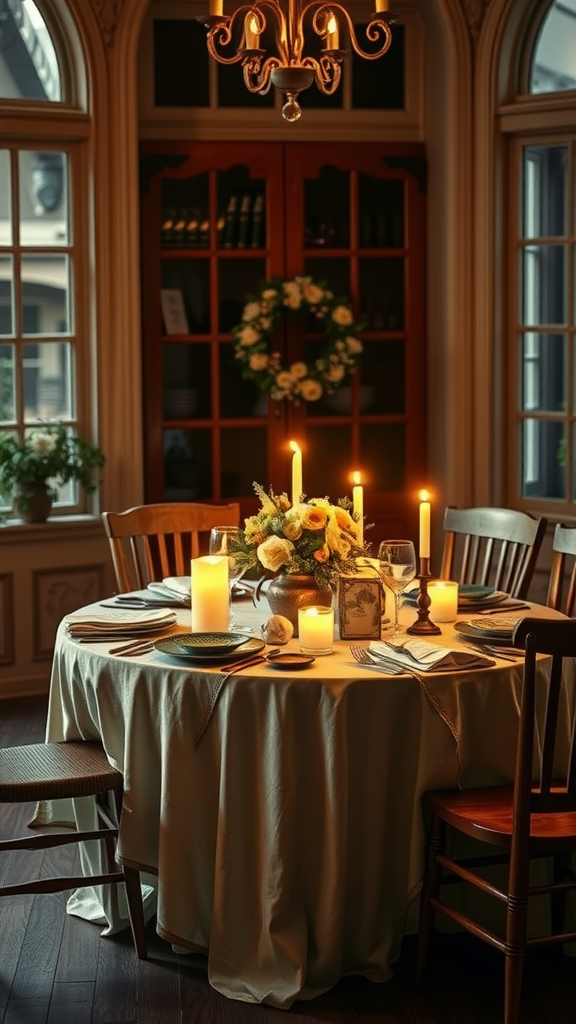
(282, 30)
(327, 73)
(377, 28)
(220, 34)
(257, 74)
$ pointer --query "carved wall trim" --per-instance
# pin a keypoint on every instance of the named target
(56, 593)
(108, 14)
(474, 11)
(7, 645)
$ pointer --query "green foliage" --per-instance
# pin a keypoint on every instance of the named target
(48, 453)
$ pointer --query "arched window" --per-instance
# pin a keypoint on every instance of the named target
(44, 363)
(542, 308)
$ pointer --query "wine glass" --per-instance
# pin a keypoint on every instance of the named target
(223, 541)
(397, 568)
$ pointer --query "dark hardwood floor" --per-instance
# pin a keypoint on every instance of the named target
(56, 968)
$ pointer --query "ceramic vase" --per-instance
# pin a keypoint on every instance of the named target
(286, 594)
(32, 502)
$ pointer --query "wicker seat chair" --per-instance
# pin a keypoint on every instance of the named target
(50, 771)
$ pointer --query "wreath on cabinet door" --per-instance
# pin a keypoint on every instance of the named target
(299, 381)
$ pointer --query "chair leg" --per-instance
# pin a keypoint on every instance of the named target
(136, 911)
(514, 949)
(430, 890)
(512, 987)
(561, 867)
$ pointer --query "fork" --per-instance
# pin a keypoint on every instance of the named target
(363, 656)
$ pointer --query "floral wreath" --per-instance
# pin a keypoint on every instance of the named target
(299, 381)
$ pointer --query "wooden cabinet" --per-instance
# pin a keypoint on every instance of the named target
(217, 220)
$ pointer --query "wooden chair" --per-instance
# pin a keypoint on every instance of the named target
(491, 546)
(150, 542)
(50, 771)
(533, 818)
(563, 561)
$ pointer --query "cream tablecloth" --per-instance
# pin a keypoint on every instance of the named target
(287, 845)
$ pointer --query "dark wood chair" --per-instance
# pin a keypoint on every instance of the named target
(498, 547)
(533, 818)
(150, 542)
(563, 564)
(51, 771)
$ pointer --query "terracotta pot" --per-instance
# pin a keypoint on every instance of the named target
(286, 594)
(32, 503)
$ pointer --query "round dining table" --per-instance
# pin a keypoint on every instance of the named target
(277, 816)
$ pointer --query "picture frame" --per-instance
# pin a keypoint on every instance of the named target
(174, 311)
(360, 607)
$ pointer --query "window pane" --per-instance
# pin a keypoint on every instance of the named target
(543, 459)
(188, 461)
(545, 191)
(5, 199)
(28, 63)
(544, 284)
(554, 58)
(544, 373)
(43, 198)
(180, 64)
(48, 381)
(45, 295)
(379, 84)
(6, 296)
(7, 384)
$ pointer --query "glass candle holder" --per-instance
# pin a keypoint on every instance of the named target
(316, 629)
(443, 600)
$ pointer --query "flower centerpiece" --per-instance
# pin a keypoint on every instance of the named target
(300, 381)
(314, 537)
(47, 457)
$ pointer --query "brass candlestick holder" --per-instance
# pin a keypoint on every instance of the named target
(423, 626)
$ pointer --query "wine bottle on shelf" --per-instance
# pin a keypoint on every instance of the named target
(244, 221)
(231, 227)
(204, 233)
(167, 229)
(258, 223)
(192, 230)
(179, 231)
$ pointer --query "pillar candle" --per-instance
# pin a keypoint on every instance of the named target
(443, 600)
(424, 525)
(358, 506)
(296, 473)
(210, 594)
(316, 629)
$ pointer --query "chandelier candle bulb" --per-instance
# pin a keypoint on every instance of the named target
(296, 473)
(210, 594)
(381, 6)
(216, 8)
(443, 600)
(316, 629)
(358, 506)
(251, 29)
(424, 551)
(332, 37)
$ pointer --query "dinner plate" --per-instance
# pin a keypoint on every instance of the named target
(497, 630)
(170, 645)
(209, 643)
(288, 660)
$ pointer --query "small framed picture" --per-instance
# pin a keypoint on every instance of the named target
(174, 311)
(360, 607)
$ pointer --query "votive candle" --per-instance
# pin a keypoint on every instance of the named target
(316, 629)
(210, 594)
(424, 524)
(296, 473)
(358, 507)
(443, 600)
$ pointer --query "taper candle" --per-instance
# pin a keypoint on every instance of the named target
(216, 8)
(424, 524)
(296, 473)
(358, 506)
(381, 6)
(210, 594)
(332, 33)
(251, 31)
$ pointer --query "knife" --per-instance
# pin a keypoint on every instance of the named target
(503, 608)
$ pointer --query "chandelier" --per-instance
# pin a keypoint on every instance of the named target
(289, 70)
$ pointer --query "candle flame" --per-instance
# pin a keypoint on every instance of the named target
(332, 24)
(356, 477)
(254, 25)
(424, 496)
(295, 447)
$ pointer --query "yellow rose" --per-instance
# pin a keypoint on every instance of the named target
(313, 294)
(298, 370)
(258, 361)
(311, 390)
(284, 380)
(274, 553)
(248, 336)
(314, 518)
(292, 525)
(354, 345)
(344, 519)
(251, 311)
(342, 316)
(335, 373)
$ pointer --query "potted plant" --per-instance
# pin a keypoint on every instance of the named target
(32, 468)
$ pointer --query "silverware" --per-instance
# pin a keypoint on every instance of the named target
(134, 647)
(364, 657)
(493, 652)
(502, 609)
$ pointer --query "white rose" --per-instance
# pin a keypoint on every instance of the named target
(251, 311)
(274, 552)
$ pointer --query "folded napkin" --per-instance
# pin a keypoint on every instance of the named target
(118, 620)
(172, 586)
(421, 656)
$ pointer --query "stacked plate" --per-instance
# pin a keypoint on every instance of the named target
(209, 647)
(472, 595)
(495, 629)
